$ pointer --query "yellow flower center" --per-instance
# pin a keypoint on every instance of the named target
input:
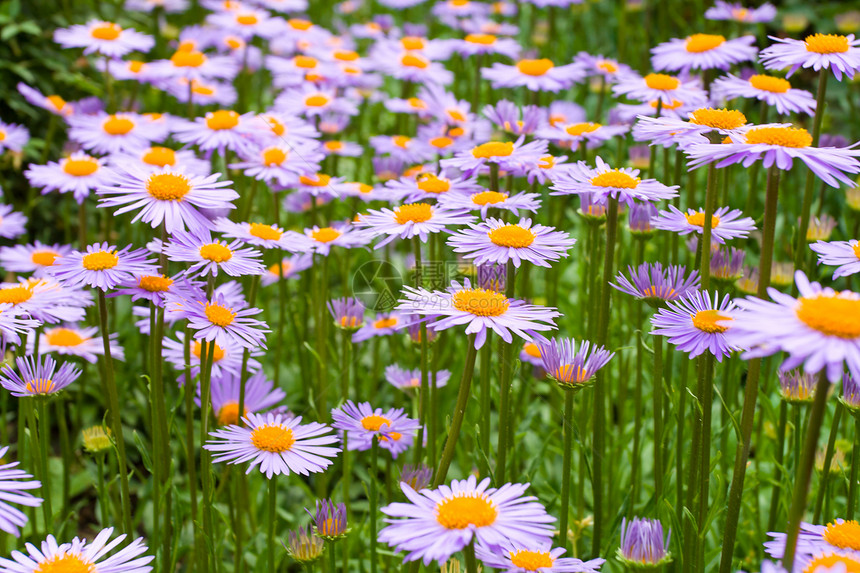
(706, 321)
(217, 354)
(100, 260)
(216, 252)
(480, 302)
(201, 89)
(485, 39)
(44, 258)
(325, 235)
(674, 105)
(698, 219)
(464, 510)
(56, 101)
(489, 198)
(493, 149)
(607, 66)
(219, 315)
(346, 55)
(832, 315)
(299, 24)
(285, 269)
(532, 349)
(845, 535)
(159, 156)
(374, 422)
(415, 213)
(40, 386)
(80, 167)
(718, 118)
(535, 67)
(769, 84)
(274, 156)
(740, 14)
(546, 162)
(66, 563)
(389, 322)
(782, 136)
(265, 232)
(401, 141)
(430, 183)
(412, 43)
(63, 337)
(318, 180)
(576, 129)
(571, 374)
(168, 186)
(153, 283)
(15, 295)
(115, 125)
(414, 61)
(222, 119)
(246, 19)
(333, 145)
(273, 439)
(856, 249)
(698, 43)
(441, 142)
(106, 31)
(228, 415)
(662, 82)
(188, 59)
(233, 42)
(828, 562)
(615, 178)
(827, 44)
(512, 236)
(531, 560)
(305, 62)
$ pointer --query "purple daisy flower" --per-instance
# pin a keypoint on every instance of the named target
(13, 137)
(102, 266)
(695, 324)
(11, 223)
(264, 236)
(114, 133)
(219, 321)
(437, 523)
(34, 258)
(260, 395)
(494, 241)
(168, 196)
(45, 300)
(429, 185)
(519, 557)
(208, 256)
(79, 554)
(775, 92)
(572, 367)
(81, 342)
(52, 103)
(338, 235)
(727, 264)
(508, 117)
(668, 89)
(839, 54)
(105, 38)
(411, 220)
(276, 444)
(77, 174)
(735, 11)
(642, 544)
(669, 131)
(37, 378)
(534, 75)
(531, 354)
(796, 387)
(226, 360)
(656, 285)
(417, 477)
(281, 164)
(363, 424)
(385, 324)
(479, 309)
(725, 224)
(411, 379)
(843, 254)
(573, 134)
(476, 43)
(310, 101)
(598, 65)
(602, 182)
(820, 329)
(15, 491)
(218, 131)
(347, 312)
(702, 52)
(304, 546)
(14, 322)
(289, 268)
(835, 537)
(639, 218)
(329, 520)
(486, 200)
(192, 64)
(507, 155)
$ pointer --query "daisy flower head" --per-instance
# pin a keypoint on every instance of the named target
(275, 445)
(304, 546)
(726, 224)
(363, 424)
(837, 537)
(845, 255)
(218, 130)
(820, 228)
(34, 258)
(495, 241)
(642, 544)
(639, 219)
(509, 117)
(478, 44)
(201, 92)
(779, 145)
(221, 321)
(437, 523)
(665, 88)
(37, 378)
(337, 235)
(696, 323)
(480, 310)
(114, 133)
(414, 66)
(263, 235)
(410, 220)
(226, 360)
(329, 520)
(796, 387)
(537, 75)
(168, 196)
(13, 137)
(819, 330)
(192, 64)
(289, 268)
(347, 312)
(15, 484)
(104, 38)
(417, 477)
(81, 555)
(602, 182)
(703, 52)
(52, 103)
(385, 324)
(168, 6)
(260, 395)
(727, 265)
(80, 342)
(522, 557)
(485, 200)
(11, 222)
(573, 368)
(702, 125)
(840, 54)
(406, 379)
(657, 285)
(407, 149)
(78, 174)
(208, 255)
(153, 288)
(507, 155)
(598, 65)
(247, 22)
(13, 322)
(573, 134)
(310, 101)
(102, 266)
(45, 300)
(774, 91)
(430, 185)
(735, 11)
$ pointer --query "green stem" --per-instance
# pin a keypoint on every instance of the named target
(855, 462)
(44, 445)
(707, 398)
(486, 398)
(505, 387)
(778, 475)
(273, 517)
(707, 227)
(567, 423)
(828, 458)
(190, 465)
(102, 490)
(469, 554)
(657, 403)
(374, 502)
(246, 355)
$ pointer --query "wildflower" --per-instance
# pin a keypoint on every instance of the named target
(508, 117)
(219, 321)
(725, 224)
(573, 134)
(45, 300)
(534, 75)
(78, 174)
(774, 91)
(411, 379)
(226, 360)
(52, 103)
(209, 256)
(114, 133)
(507, 155)
(796, 387)
(850, 394)
(735, 11)
(81, 342)
(348, 313)
(657, 285)
(304, 546)
(34, 258)
(363, 424)
(845, 255)
(260, 395)
(639, 219)
(429, 185)
(839, 54)
(727, 265)
(602, 182)
(416, 477)
(820, 228)
(702, 123)
(703, 52)
(281, 164)
(37, 378)
(475, 44)
(330, 520)
(13, 137)
(97, 439)
(102, 266)
(837, 537)
(572, 368)
(219, 131)
(338, 235)
(384, 324)
(665, 88)
(598, 65)
(288, 268)
(642, 545)
(411, 220)
(13, 323)
(15, 490)
(514, 556)
(276, 444)
(494, 241)
(11, 223)
(696, 324)
(105, 38)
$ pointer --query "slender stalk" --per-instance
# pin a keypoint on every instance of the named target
(486, 396)
(778, 476)
(459, 412)
(567, 424)
(469, 554)
(374, 502)
(66, 449)
(273, 518)
(828, 458)
(102, 490)
(707, 387)
(707, 227)
(246, 355)
(424, 390)
(657, 403)
(855, 462)
(505, 387)
(191, 467)
(807, 462)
